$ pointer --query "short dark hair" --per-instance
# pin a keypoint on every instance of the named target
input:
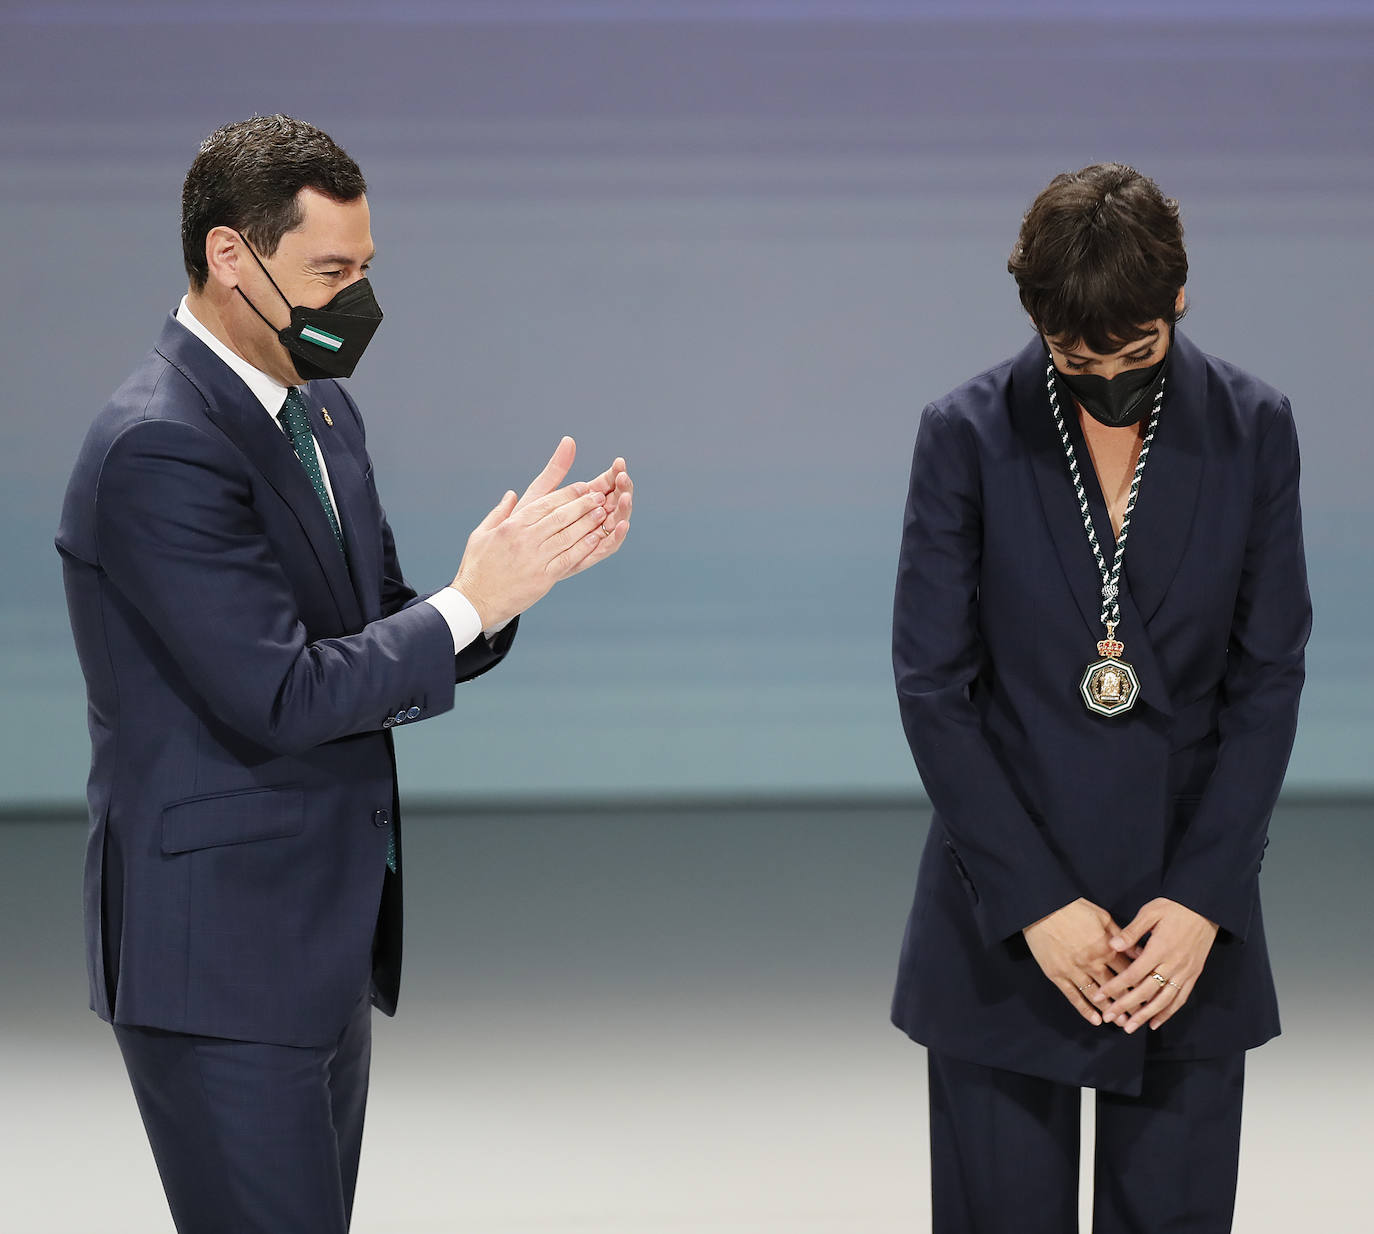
(1100, 255)
(247, 176)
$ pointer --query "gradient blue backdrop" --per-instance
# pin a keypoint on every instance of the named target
(741, 244)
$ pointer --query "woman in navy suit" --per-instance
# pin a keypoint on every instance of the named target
(1098, 639)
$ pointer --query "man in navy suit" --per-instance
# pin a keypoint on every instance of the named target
(1098, 640)
(249, 645)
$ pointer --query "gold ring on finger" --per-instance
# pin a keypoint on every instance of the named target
(1161, 978)
(1174, 984)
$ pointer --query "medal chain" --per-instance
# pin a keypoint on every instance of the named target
(1111, 579)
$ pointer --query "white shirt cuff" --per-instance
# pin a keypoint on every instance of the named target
(456, 609)
(463, 622)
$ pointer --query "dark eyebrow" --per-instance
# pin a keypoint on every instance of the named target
(336, 259)
(1149, 340)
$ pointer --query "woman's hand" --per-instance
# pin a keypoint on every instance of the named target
(1165, 970)
(1074, 948)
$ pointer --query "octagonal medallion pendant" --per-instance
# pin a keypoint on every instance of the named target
(1109, 687)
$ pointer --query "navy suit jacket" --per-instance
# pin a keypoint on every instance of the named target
(243, 682)
(1037, 800)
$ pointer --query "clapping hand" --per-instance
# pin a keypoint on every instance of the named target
(614, 484)
(526, 544)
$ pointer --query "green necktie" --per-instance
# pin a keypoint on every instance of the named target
(296, 420)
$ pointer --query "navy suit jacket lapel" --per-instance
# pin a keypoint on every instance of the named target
(1170, 489)
(350, 499)
(237, 412)
(1034, 424)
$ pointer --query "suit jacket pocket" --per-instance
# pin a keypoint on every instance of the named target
(233, 818)
(964, 875)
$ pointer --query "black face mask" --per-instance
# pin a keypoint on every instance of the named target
(1121, 400)
(328, 341)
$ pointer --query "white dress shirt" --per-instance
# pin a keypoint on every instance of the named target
(455, 608)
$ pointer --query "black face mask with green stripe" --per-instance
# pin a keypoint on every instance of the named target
(328, 341)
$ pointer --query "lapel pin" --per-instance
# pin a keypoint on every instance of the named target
(324, 411)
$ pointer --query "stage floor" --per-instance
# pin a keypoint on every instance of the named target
(662, 1020)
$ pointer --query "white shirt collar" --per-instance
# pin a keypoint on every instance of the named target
(269, 391)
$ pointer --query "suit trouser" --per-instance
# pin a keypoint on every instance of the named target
(1004, 1150)
(252, 1138)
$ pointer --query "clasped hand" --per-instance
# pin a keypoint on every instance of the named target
(1132, 975)
(527, 544)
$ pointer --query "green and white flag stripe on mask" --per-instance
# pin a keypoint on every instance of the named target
(312, 334)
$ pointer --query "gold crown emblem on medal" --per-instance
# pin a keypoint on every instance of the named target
(1110, 648)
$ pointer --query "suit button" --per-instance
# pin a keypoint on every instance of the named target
(400, 717)
(381, 818)
(388, 722)
(413, 713)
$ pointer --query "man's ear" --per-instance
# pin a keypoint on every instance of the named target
(223, 249)
(1179, 301)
